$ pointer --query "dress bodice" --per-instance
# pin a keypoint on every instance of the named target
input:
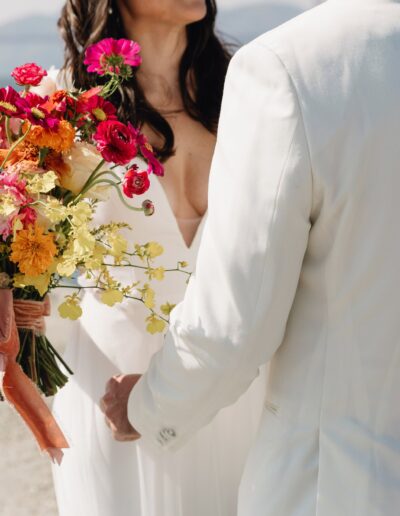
(120, 332)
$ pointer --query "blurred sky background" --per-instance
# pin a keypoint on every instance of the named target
(28, 30)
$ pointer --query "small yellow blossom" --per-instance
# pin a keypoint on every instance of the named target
(167, 308)
(84, 243)
(81, 213)
(148, 296)
(155, 325)
(119, 246)
(54, 210)
(7, 205)
(67, 264)
(95, 261)
(153, 250)
(112, 297)
(40, 283)
(157, 274)
(70, 309)
(41, 183)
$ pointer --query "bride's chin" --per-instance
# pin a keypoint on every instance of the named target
(196, 10)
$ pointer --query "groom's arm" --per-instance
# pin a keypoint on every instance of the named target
(236, 307)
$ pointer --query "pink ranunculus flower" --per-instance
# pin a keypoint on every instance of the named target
(27, 216)
(29, 74)
(135, 182)
(112, 56)
(116, 142)
(13, 200)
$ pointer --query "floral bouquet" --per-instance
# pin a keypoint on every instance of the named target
(59, 155)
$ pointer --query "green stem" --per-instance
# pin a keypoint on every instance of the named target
(125, 296)
(124, 202)
(88, 182)
(145, 268)
(108, 173)
(14, 146)
(53, 349)
(8, 131)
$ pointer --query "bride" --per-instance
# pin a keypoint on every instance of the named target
(176, 97)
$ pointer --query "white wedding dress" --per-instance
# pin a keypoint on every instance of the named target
(101, 477)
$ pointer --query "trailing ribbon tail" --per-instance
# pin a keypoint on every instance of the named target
(18, 389)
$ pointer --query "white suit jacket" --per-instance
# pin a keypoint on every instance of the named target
(300, 265)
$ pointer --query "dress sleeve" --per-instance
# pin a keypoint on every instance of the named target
(235, 311)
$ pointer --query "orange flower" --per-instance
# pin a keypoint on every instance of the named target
(33, 250)
(59, 139)
(54, 161)
(23, 152)
(28, 154)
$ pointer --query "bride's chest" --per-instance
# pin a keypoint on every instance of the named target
(187, 172)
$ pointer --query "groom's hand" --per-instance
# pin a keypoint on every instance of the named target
(114, 404)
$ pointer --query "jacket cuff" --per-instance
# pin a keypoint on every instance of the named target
(157, 434)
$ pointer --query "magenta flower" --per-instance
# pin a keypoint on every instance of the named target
(96, 107)
(113, 56)
(37, 111)
(146, 150)
(11, 102)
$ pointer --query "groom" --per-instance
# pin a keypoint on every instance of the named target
(300, 265)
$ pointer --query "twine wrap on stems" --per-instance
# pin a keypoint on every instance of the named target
(29, 315)
(17, 388)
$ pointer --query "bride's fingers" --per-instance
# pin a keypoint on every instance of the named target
(110, 385)
(102, 404)
(111, 426)
(123, 438)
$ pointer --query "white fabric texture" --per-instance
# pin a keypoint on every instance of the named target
(299, 263)
(101, 477)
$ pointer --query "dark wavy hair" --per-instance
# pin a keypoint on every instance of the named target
(201, 76)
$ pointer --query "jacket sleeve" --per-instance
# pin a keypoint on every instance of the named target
(237, 304)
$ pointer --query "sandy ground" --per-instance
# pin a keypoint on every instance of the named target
(26, 487)
(25, 475)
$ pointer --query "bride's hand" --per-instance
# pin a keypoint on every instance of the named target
(114, 405)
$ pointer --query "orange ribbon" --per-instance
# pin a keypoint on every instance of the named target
(30, 314)
(16, 386)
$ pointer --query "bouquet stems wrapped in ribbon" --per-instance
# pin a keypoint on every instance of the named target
(17, 388)
(37, 355)
(59, 156)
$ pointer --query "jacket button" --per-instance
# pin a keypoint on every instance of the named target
(166, 435)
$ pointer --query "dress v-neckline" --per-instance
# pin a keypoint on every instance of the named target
(175, 221)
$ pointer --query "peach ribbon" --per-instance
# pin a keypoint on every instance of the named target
(16, 386)
(30, 314)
